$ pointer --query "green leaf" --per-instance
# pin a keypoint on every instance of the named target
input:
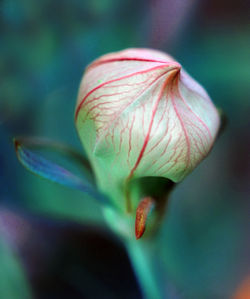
(51, 171)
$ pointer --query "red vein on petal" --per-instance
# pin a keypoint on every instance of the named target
(100, 61)
(123, 108)
(175, 70)
(175, 65)
(181, 122)
(190, 110)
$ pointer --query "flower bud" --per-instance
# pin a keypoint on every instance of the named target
(140, 114)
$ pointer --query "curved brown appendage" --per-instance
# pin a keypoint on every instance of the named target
(142, 212)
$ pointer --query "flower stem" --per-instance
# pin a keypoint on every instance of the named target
(142, 259)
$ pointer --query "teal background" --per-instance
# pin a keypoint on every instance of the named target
(54, 242)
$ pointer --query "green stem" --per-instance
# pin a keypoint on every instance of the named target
(142, 259)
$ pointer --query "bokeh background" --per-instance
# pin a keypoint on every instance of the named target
(53, 241)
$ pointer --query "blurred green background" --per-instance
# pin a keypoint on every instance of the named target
(53, 241)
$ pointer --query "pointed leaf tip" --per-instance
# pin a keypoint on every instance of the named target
(142, 212)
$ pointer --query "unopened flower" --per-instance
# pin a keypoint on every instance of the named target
(145, 124)
(140, 114)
